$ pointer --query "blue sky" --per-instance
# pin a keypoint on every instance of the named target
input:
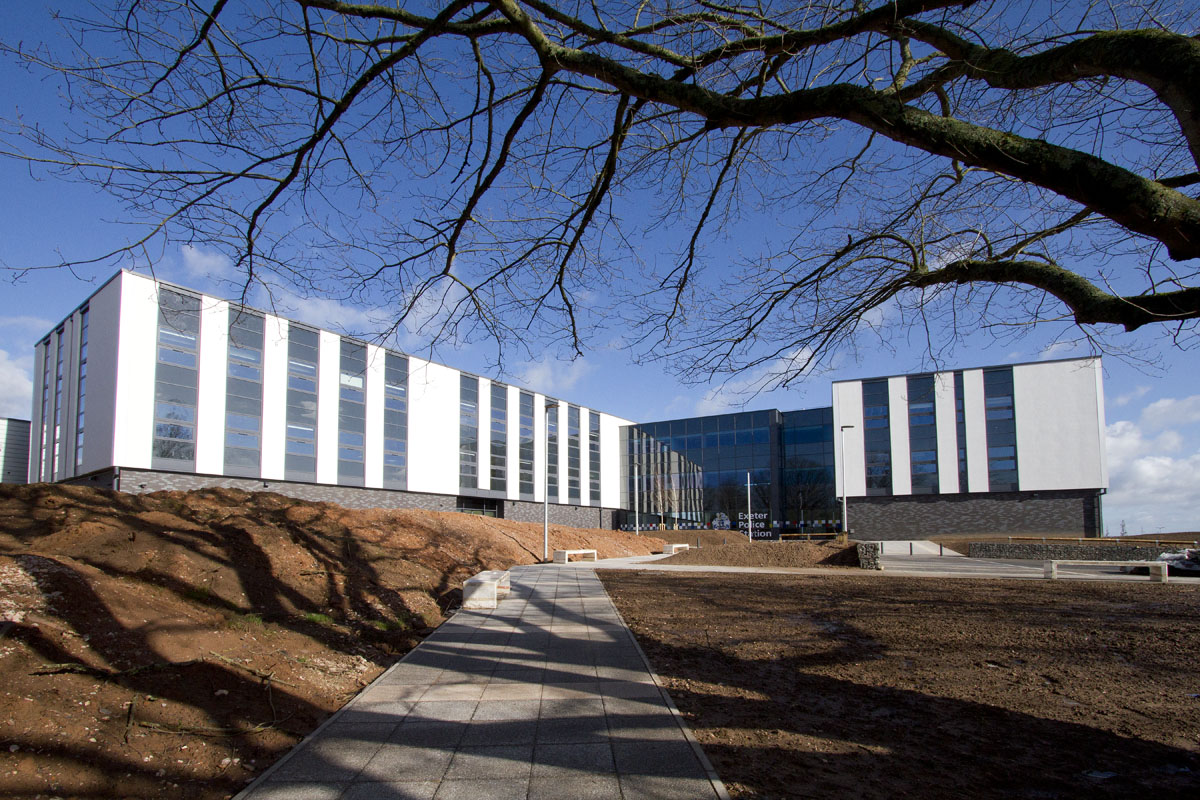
(1153, 414)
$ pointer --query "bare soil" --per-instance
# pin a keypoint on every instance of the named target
(701, 538)
(175, 644)
(769, 554)
(878, 687)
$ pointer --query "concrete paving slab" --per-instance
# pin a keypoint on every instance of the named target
(548, 695)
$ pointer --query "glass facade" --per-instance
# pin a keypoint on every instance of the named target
(300, 451)
(468, 432)
(573, 464)
(525, 448)
(922, 435)
(395, 422)
(807, 480)
(593, 458)
(499, 438)
(81, 389)
(57, 450)
(960, 431)
(877, 437)
(1001, 429)
(45, 448)
(552, 452)
(243, 394)
(352, 413)
(175, 381)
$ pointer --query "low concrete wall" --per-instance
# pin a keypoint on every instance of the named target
(1046, 552)
(1061, 513)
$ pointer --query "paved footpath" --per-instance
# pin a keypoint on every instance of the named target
(548, 696)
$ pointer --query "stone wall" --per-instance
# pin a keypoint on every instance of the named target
(1018, 513)
(137, 481)
(1089, 552)
(868, 555)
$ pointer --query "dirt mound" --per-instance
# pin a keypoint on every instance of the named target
(769, 554)
(701, 538)
(176, 643)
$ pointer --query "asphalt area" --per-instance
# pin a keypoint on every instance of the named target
(877, 686)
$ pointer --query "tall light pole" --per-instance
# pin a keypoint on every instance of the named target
(749, 511)
(546, 487)
(637, 490)
(845, 505)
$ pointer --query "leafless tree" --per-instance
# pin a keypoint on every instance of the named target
(751, 185)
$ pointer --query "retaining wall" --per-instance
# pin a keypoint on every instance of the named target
(921, 516)
(868, 555)
(1091, 552)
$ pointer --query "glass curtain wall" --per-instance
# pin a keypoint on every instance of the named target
(44, 451)
(300, 454)
(525, 448)
(807, 485)
(552, 453)
(352, 413)
(877, 437)
(1001, 426)
(594, 458)
(57, 451)
(468, 432)
(243, 394)
(573, 465)
(960, 431)
(922, 435)
(499, 438)
(175, 382)
(81, 390)
(395, 422)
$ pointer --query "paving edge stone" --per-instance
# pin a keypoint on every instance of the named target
(717, 784)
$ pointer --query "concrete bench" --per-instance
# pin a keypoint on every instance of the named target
(485, 589)
(672, 549)
(563, 556)
(1157, 569)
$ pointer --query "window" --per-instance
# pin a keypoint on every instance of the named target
(300, 448)
(573, 467)
(243, 394)
(594, 457)
(468, 432)
(525, 447)
(922, 434)
(81, 390)
(1001, 430)
(499, 414)
(175, 381)
(552, 452)
(877, 437)
(395, 422)
(352, 416)
(45, 448)
(57, 448)
(960, 431)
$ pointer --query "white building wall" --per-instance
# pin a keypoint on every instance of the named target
(1060, 421)
(14, 450)
(848, 410)
(610, 460)
(70, 397)
(947, 434)
(975, 417)
(104, 323)
(563, 494)
(898, 428)
(274, 418)
(210, 411)
(539, 448)
(513, 433)
(484, 444)
(35, 414)
(137, 336)
(432, 427)
(328, 381)
(373, 450)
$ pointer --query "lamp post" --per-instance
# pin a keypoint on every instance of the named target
(546, 488)
(845, 505)
(637, 490)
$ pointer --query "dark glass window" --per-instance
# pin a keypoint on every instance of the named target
(352, 417)
(468, 432)
(1001, 427)
(525, 451)
(499, 438)
(243, 394)
(552, 453)
(960, 429)
(175, 381)
(573, 454)
(922, 434)
(300, 450)
(877, 437)
(395, 422)
(81, 390)
(594, 457)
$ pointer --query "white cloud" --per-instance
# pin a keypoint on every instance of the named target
(1060, 350)
(35, 326)
(1170, 411)
(1137, 393)
(16, 385)
(553, 377)
(201, 263)
(1151, 489)
(736, 391)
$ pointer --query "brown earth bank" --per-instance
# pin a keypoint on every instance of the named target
(700, 538)
(175, 644)
(879, 687)
(769, 554)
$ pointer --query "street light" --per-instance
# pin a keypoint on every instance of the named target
(546, 487)
(845, 521)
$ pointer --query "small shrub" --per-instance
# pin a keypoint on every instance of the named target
(245, 622)
(317, 617)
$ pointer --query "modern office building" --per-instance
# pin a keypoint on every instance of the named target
(183, 390)
(14, 450)
(151, 386)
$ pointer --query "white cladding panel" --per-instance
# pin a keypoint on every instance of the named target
(274, 418)
(848, 410)
(539, 448)
(898, 429)
(563, 496)
(484, 440)
(610, 460)
(35, 413)
(14, 450)
(373, 446)
(433, 410)
(328, 382)
(210, 411)
(947, 435)
(133, 429)
(513, 433)
(1060, 424)
(976, 423)
(104, 322)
